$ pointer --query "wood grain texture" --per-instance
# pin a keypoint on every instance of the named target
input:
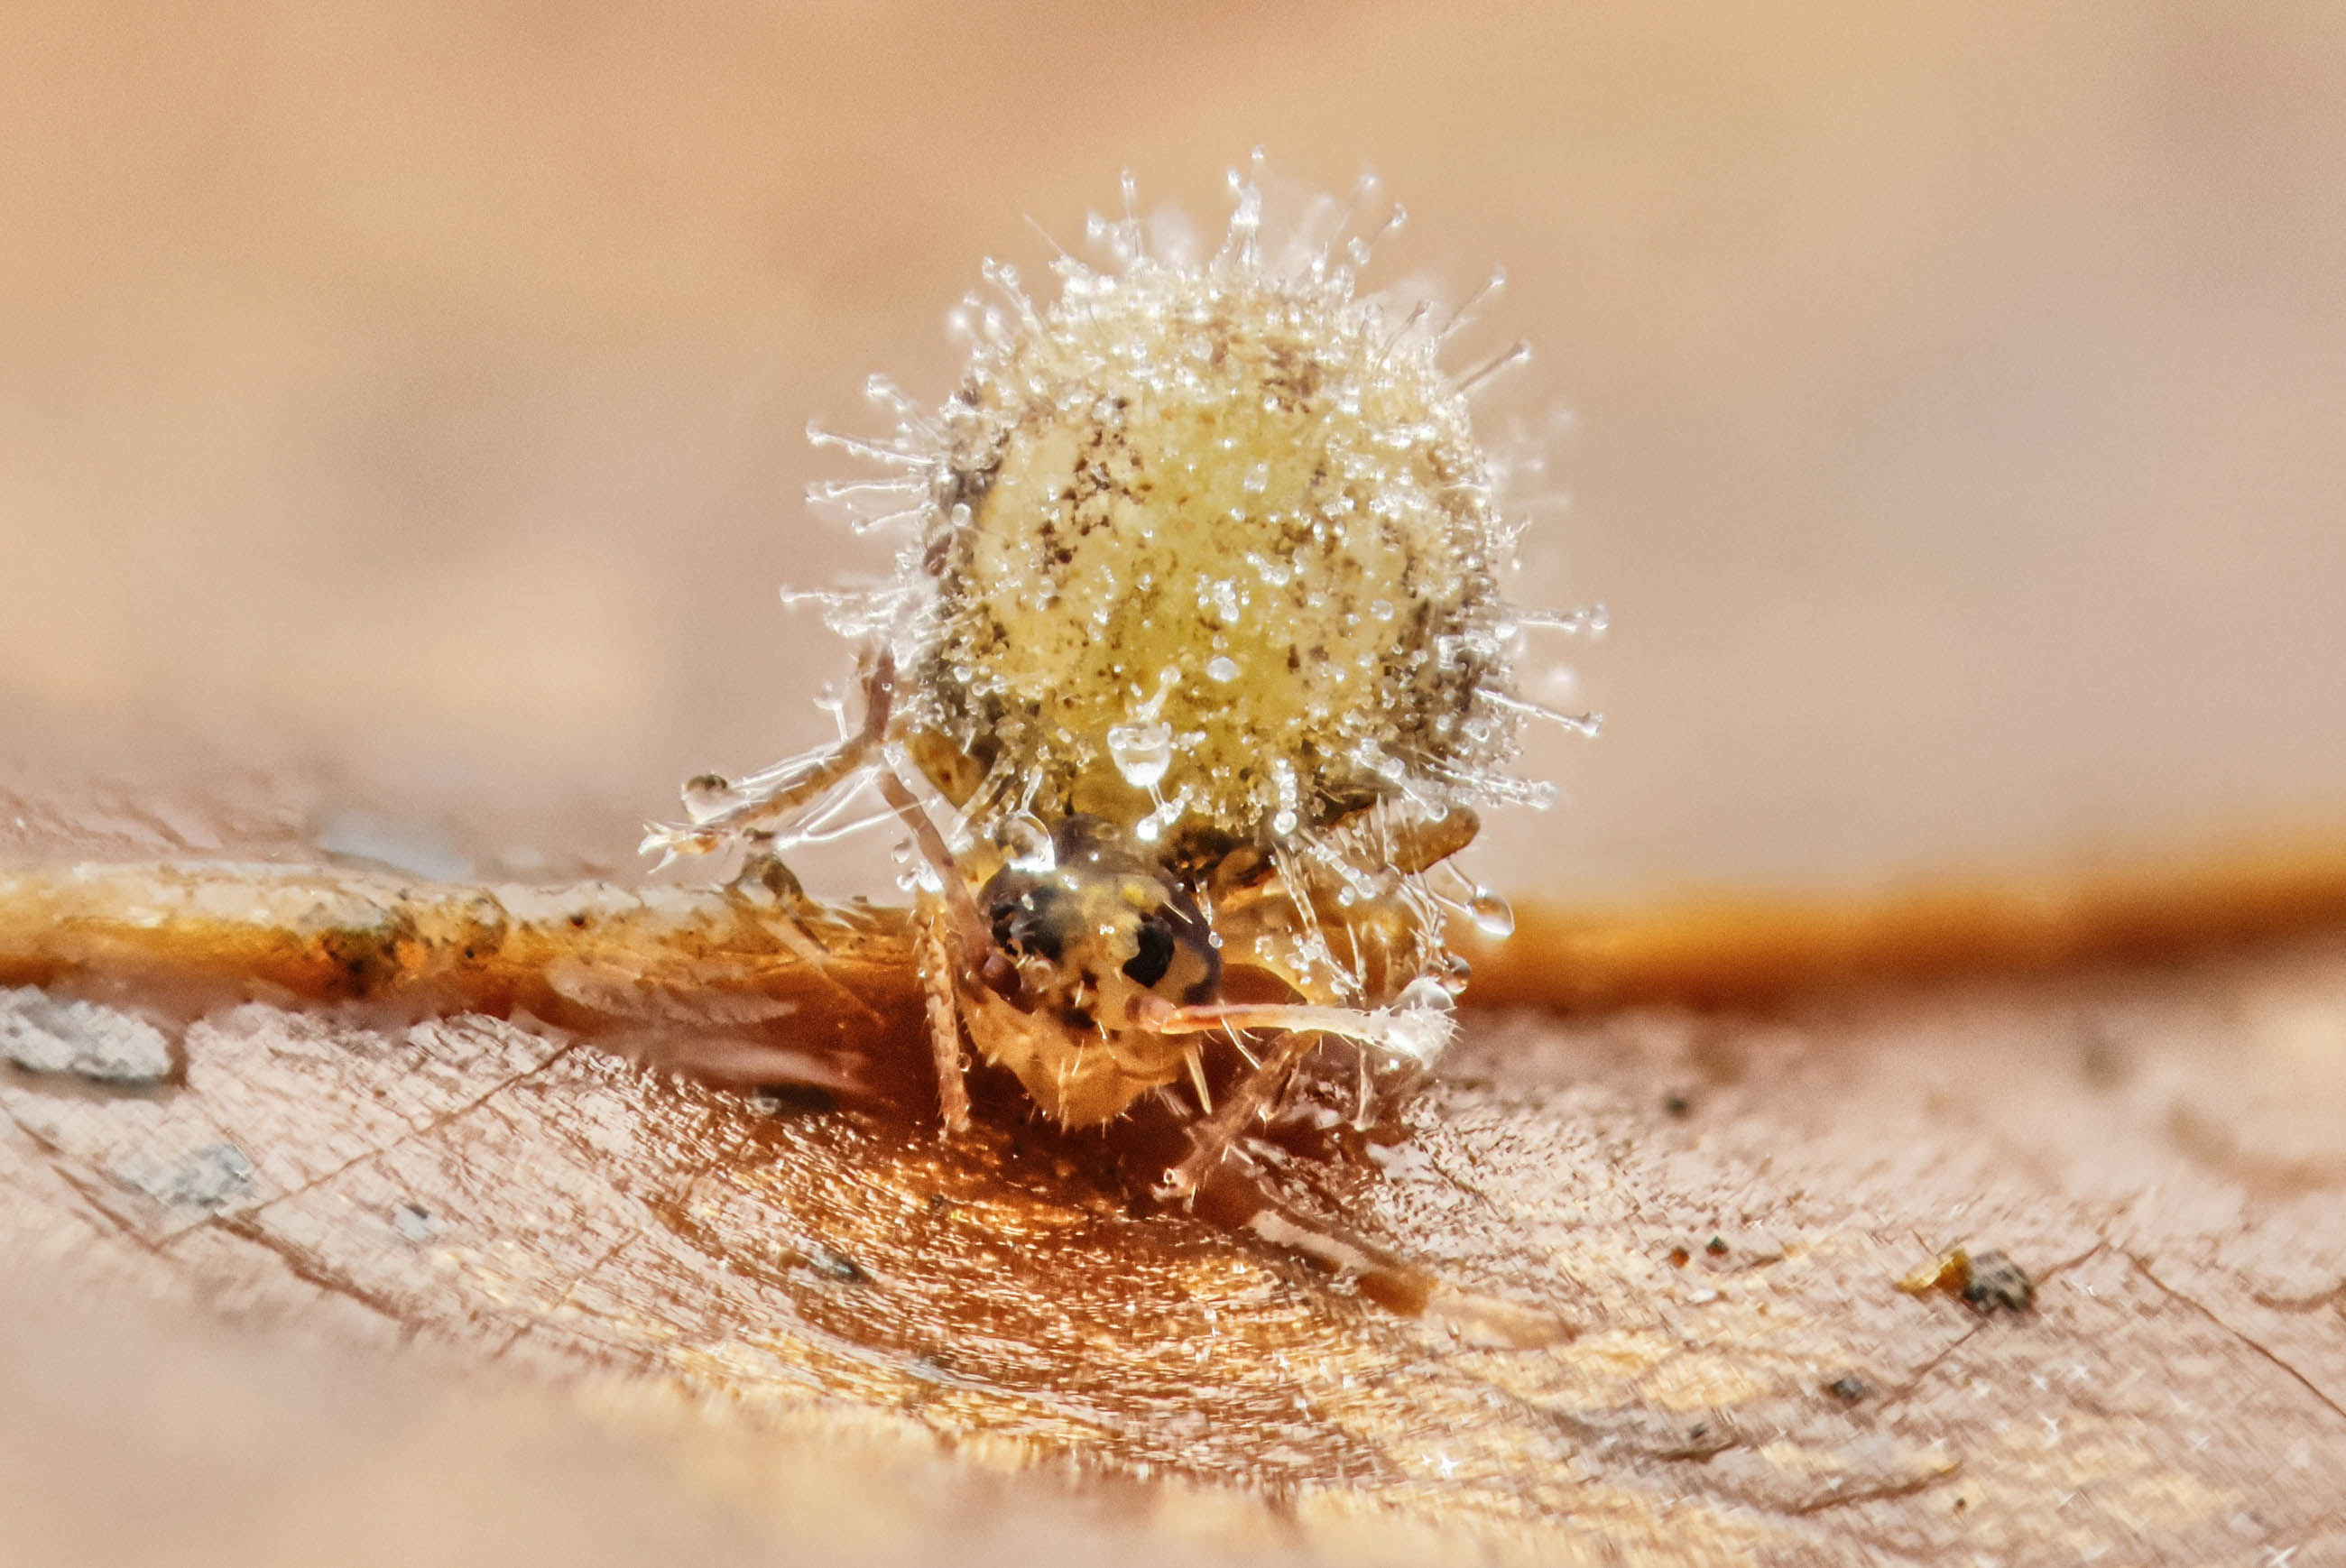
(1667, 1245)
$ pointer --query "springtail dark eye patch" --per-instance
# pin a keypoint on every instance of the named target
(1156, 944)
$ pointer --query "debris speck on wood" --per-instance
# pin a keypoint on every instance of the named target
(1987, 1281)
(101, 1044)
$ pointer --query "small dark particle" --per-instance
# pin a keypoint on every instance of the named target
(1849, 1388)
(836, 1266)
(1998, 1284)
(1716, 1246)
(1987, 1282)
(1680, 1258)
(794, 1100)
(1678, 1103)
(415, 1222)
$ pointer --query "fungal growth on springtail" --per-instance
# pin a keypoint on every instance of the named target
(1194, 674)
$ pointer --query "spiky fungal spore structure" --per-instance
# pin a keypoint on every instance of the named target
(1205, 544)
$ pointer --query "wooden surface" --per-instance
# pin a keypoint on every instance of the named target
(1666, 1329)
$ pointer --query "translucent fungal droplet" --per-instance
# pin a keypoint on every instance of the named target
(1224, 595)
(1593, 620)
(1027, 843)
(706, 796)
(1427, 993)
(1141, 752)
(1283, 823)
(1258, 479)
(1223, 669)
(1453, 972)
(1492, 915)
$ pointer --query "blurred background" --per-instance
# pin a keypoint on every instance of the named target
(415, 390)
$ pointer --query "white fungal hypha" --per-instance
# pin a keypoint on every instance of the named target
(1209, 545)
